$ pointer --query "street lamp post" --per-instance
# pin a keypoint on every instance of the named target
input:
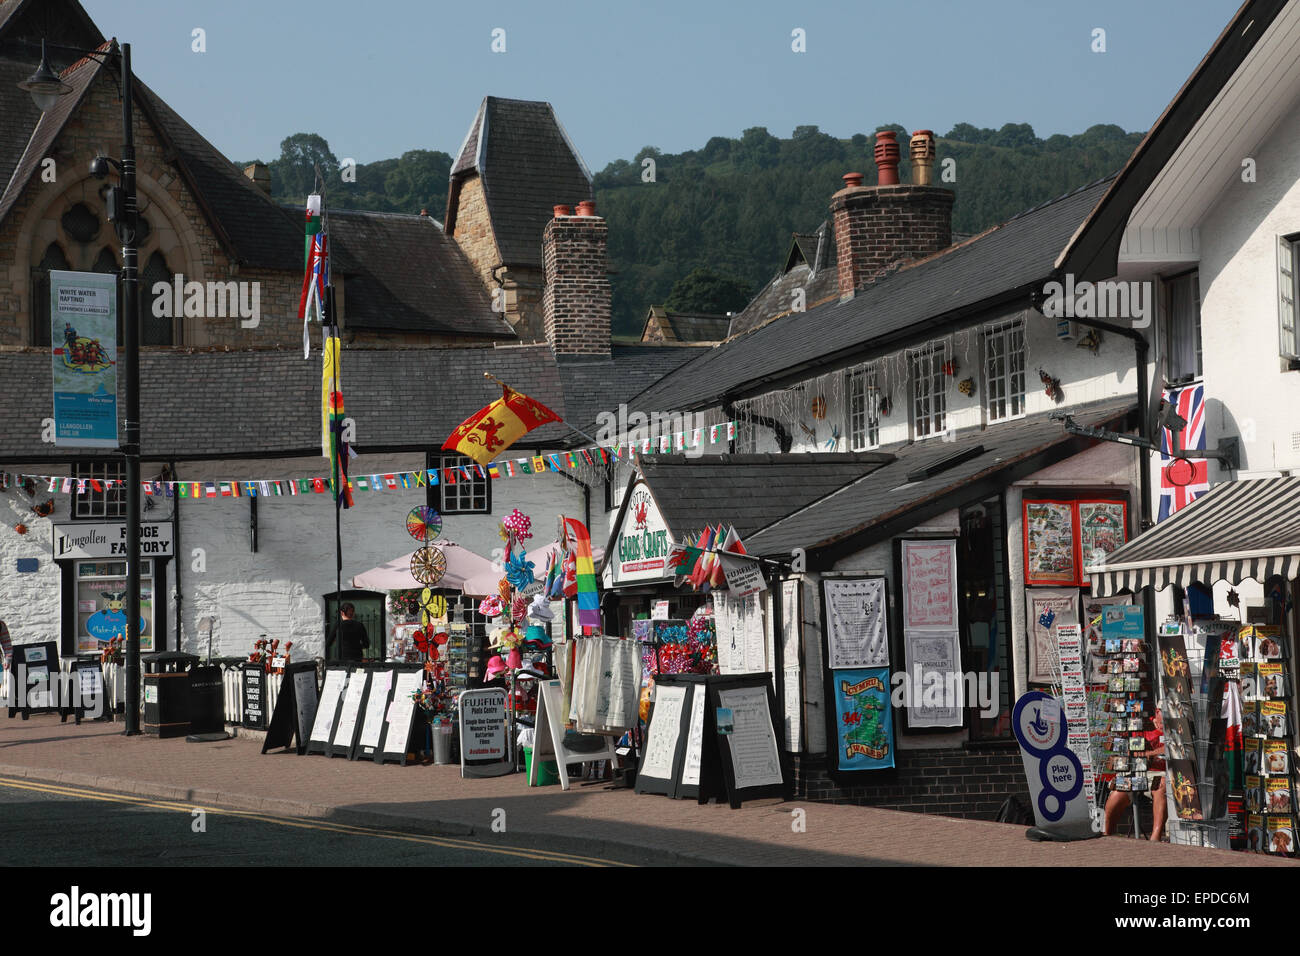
(46, 87)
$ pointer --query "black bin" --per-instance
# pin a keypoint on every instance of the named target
(207, 700)
(167, 693)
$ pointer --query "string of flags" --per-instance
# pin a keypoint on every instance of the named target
(393, 481)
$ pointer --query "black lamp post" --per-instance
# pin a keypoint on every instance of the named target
(46, 87)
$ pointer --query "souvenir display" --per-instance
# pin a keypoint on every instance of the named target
(1265, 678)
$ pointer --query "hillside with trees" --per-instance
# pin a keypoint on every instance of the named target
(712, 225)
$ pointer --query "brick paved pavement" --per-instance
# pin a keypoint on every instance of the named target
(235, 774)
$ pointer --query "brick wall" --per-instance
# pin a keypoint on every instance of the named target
(878, 226)
(960, 782)
(576, 302)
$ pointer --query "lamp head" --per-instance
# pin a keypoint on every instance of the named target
(45, 85)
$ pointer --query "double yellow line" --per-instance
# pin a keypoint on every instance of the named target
(324, 826)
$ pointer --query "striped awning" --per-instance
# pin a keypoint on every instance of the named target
(1235, 531)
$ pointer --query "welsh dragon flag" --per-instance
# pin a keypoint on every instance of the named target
(1232, 746)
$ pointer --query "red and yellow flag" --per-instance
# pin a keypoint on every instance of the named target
(492, 430)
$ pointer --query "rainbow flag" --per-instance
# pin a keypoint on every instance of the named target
(333, 445)
(588, 598)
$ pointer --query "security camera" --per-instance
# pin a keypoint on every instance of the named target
(99, 167)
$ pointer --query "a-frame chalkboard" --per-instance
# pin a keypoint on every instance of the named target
(327, 710)
(87, 697)
(399, 719)
(753, 763)
(347, 726)
(34, 677)
(295, 709)
(662, 757)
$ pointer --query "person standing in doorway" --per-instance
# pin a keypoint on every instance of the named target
(348, 640)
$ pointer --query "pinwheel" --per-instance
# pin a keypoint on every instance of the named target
(519, 571)
(518, 524)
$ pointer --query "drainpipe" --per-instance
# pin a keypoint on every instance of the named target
(783, 439)
(176, 549)
(1141, 349)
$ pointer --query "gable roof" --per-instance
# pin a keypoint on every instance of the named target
(404, 274)
(527, 165)
(804, 271)
(684, 326)
(1093, 252)
(909, 490)
(1004, 264)
(748, 491)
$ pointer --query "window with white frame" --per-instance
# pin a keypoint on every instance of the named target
(472, 495)
(1288, 329)
(1004, 370)
(94, 498)
(864, 409)
(1183, 328)
(929, 391)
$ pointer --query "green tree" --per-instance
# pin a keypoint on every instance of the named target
(294, 173)
(704, 290)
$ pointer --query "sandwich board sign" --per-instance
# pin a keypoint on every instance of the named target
(552, 742)
(295, 708)
(399, 716)
(484, 741)
(327, 709)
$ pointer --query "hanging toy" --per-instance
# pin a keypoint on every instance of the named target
(1051, 386)
(950, 367)
(819, 407)
(966, 386)
(885, 406)
(1090, 341)
(834, 439)
(519, 571)
(518, 524)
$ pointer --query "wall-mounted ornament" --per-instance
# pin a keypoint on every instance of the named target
(44, 509)
(886, 406)
(1051, 386)
(28, 486)
(810, 432)
(834, 440)
(819, 407)
(966, 386)
(950, 367)
(20, 528)
(1091, 341)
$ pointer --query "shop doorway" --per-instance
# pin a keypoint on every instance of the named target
(372, 614)
(981, 583)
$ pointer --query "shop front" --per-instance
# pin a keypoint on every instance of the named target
(91, 557)
(1222, 573)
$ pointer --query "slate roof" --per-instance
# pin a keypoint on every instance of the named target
(886, 502)
(198, 404)
(1002, 264)
(593, 385)
(403, 273)
(528, 165)
(801, 271)
(685, 326)
(749, 491)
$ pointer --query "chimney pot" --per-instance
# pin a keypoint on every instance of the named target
(922, 153)
(852, 179)
(561, 211)
(886, 157)
(587, 208)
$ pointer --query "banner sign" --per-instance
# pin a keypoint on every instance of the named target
(863, 719)
(857, 631)
(83, 357)
(1054, 773)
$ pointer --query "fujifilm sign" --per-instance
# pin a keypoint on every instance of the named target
(1111, 299)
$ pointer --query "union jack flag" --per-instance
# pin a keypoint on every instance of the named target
(316, 275)
(1182, 481)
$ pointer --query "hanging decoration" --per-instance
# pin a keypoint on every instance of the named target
(950, 368)
(819, 407)
(1051, 386)
(1091, 341)
(966, 386)
(428, 565)
(423, 524)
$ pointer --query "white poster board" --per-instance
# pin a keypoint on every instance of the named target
(483, 734)
(695, 737)
(755, 760)
(791, 644)
(323, 727)
(742, 645)
(856, 627)
(935, 692)
(372, 727)
(401, 712)
(345, 728)
(664, 733)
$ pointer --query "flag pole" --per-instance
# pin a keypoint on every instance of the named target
(338, 473)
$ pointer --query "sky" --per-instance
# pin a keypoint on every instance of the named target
(385, 76)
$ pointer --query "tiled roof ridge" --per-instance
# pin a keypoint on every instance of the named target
(88, 58)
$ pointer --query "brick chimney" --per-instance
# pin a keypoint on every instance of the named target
(576, 302)
(879, 226)
(260, 174)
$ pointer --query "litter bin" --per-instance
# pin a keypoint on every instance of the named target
(442, 734)
(167, 693)
(207, 701)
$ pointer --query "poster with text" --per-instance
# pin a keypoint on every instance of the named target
(1049, 543)
(1047, 608)
(856, 628)
(863, 719)
(930, 584)
(83, 356)
(935, 693)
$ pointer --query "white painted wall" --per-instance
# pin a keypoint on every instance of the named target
(279, 590)
(1252, 395)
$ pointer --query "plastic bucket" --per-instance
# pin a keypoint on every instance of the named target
(442, 742)
(547, 774)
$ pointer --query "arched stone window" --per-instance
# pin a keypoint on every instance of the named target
(54, 258)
